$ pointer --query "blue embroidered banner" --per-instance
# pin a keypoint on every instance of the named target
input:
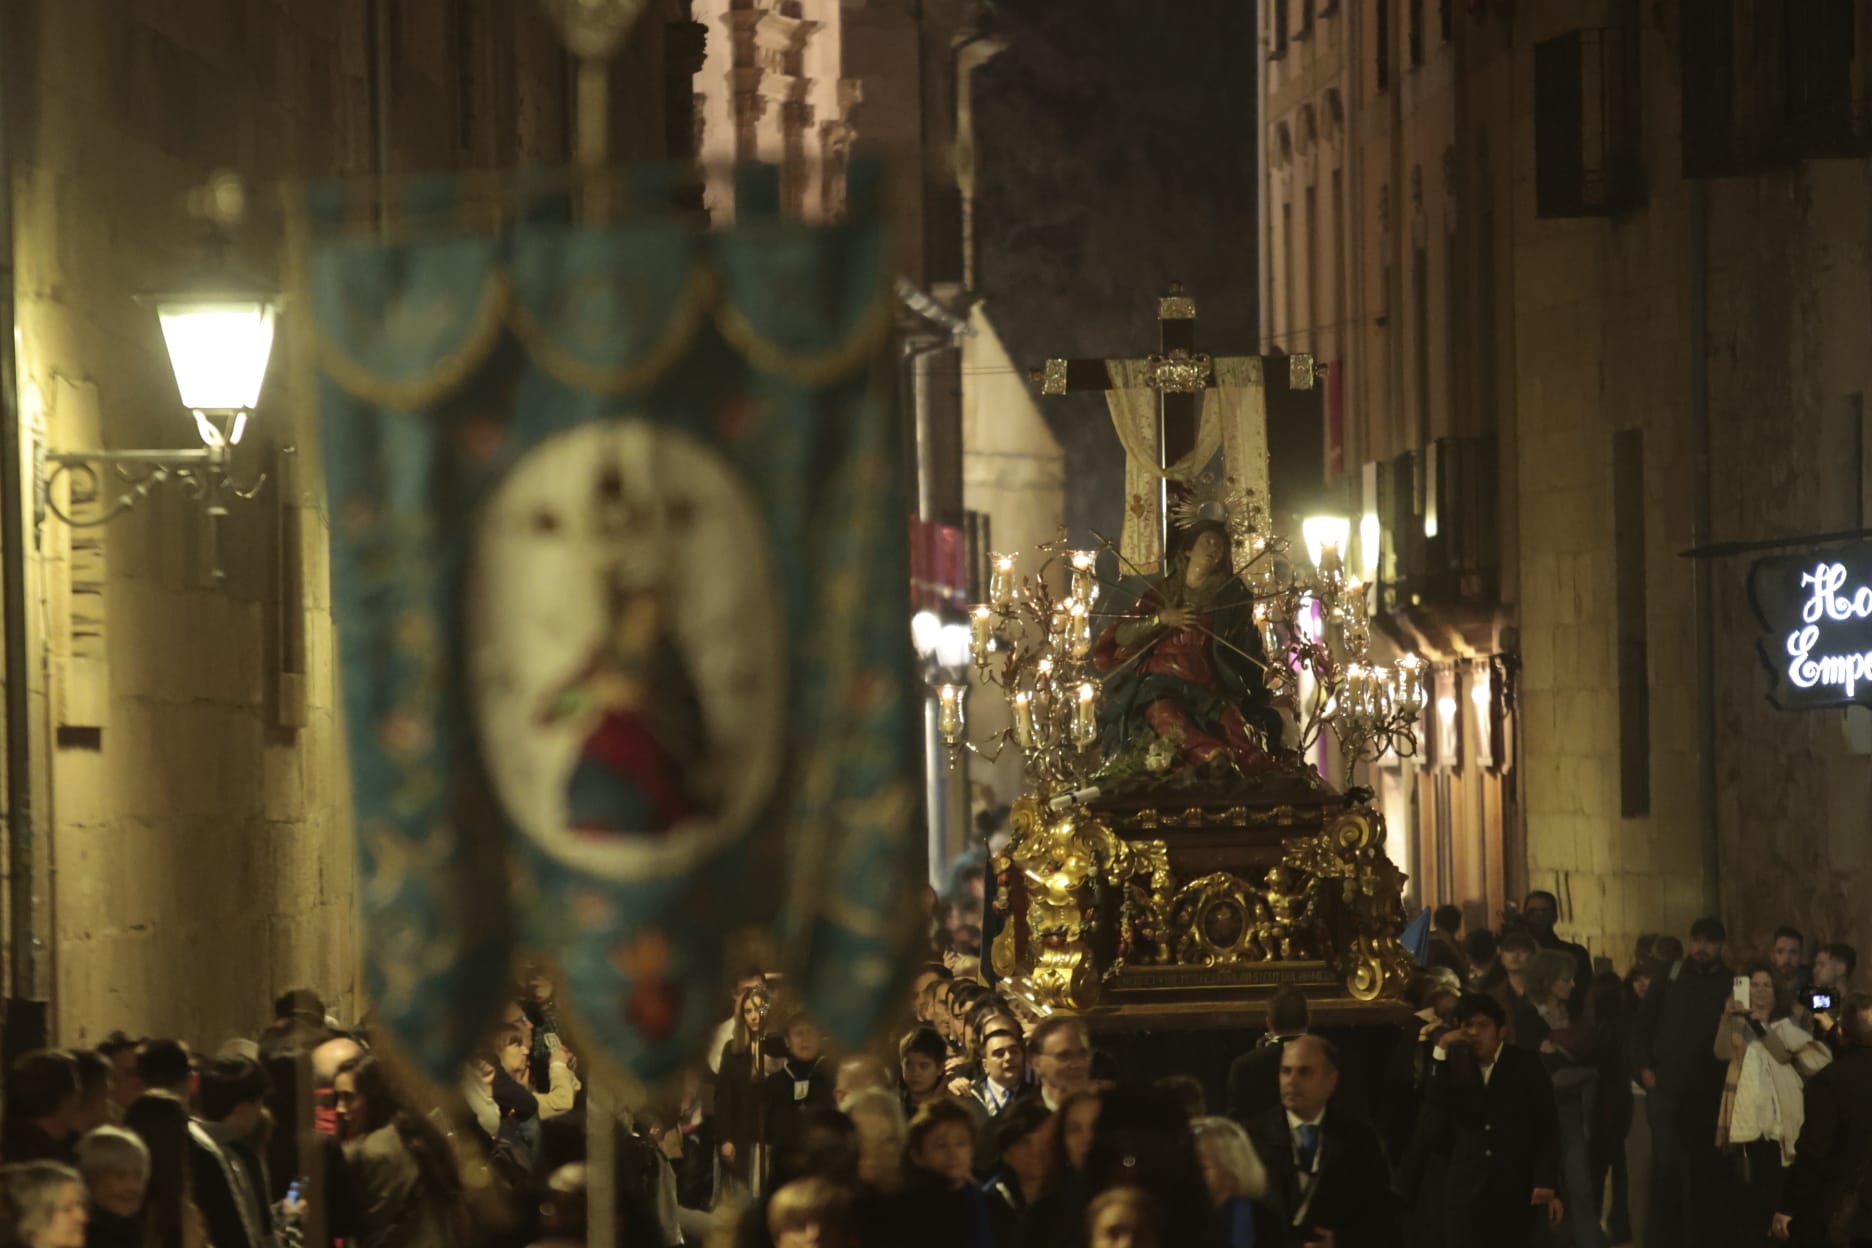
(620, 578)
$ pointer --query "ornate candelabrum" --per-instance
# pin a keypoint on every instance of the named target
(1370, 708)
(1036, 646)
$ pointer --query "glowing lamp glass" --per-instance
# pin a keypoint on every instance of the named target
(218, 350)
(952, 645)
(1321, 532)
(925, 629)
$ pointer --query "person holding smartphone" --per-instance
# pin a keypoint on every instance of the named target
(1768, 1056)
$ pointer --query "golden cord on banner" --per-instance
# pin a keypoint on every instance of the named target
(703, 298)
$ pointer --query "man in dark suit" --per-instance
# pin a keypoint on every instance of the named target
(1254, 1077)
(1834, 1152)
(1002, 1086)
(1329, 1185)
(1493, 1132)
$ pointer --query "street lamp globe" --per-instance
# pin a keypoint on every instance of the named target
(220, 337)
(1324, 533)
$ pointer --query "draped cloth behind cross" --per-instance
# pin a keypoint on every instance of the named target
(1188, 665)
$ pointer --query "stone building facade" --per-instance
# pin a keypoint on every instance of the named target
(1384, 136)
(189, 816)
(1624, 248)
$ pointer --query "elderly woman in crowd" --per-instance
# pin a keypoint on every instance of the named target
(1769, 1055)
(115, 1165)
(1233, 1172)
(42, 1205)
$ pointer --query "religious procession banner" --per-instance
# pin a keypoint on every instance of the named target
(620, 575)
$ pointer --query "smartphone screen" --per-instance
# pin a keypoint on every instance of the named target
(1742, 989)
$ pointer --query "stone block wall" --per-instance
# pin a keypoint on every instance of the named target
(1605, 321)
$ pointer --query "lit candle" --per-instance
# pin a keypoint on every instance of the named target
(1085, 714)
(981, 631)
(1079, 630)
(1001, 581)
(1410, 697)
(1084, 575)
(949, 713)
(1023, 720)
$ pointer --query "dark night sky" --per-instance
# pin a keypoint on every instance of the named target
(1115, 154)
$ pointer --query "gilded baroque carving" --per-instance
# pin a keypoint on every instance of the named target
(1355, 903)
(1053, 377)
(1333, 896)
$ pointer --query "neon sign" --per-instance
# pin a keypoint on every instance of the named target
(1818, 613)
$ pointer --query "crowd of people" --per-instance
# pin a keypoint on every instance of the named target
(1502, 1118)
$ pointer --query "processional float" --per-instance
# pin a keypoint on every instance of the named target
(1176, 857)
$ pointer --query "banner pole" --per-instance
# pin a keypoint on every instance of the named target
(600, 1167)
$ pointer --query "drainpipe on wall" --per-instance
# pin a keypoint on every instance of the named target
(945, 787)
(1703, 570)
(28, 1022)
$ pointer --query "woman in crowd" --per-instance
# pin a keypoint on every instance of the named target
(42, 1205)
(1567, 1050)
(742, 1079)
(1057, 1218)
(1079, 1116)
(170, 1214)
(409, 1192)
(1234, 1175)
(1024, 1142)
(1762, 1107)
(115, 1165)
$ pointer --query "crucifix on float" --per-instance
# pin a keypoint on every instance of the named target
(1173, 411)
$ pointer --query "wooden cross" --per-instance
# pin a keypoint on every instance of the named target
(1179, 374)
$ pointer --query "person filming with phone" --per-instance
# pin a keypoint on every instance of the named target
(1825, 1199)
(1819, 1005)
(1768, 1057)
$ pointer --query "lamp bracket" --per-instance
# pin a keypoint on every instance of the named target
(200, 471)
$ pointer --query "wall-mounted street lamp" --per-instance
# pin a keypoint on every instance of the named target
(219, 333)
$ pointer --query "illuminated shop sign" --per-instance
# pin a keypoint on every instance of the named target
(1817, 610)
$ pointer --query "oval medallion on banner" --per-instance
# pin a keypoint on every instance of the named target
(625, 651)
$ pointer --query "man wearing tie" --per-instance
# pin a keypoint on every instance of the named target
(1492, 1131)
(1328, 1183)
